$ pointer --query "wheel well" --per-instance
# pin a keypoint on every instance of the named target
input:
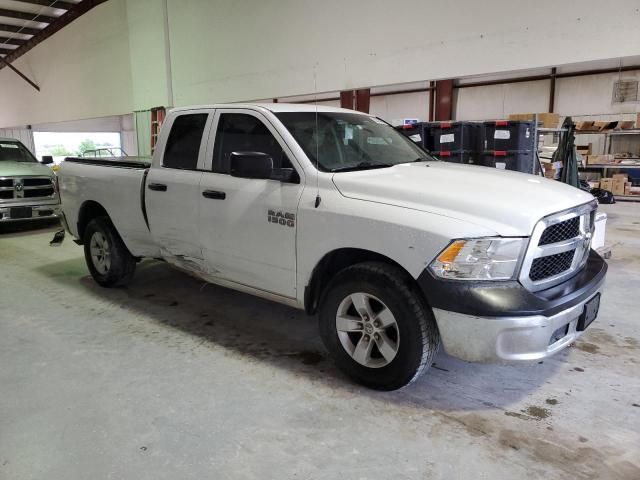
(88, 212)
(330, 265)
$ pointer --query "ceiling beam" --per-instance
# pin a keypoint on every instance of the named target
(26, 16)
(11, 41)
(3, 61)
(59, 23)
(18, 29)
(49, 3)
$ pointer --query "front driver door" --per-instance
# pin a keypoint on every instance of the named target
(248, 226)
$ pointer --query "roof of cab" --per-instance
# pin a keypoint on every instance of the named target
(7, 139)
(273, 107)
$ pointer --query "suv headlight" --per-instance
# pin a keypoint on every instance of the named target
(480, 259)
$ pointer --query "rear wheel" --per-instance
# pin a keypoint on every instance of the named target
(109, 261)
(377, 327)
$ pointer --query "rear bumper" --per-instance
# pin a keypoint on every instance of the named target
(502, 321)
(38, 212)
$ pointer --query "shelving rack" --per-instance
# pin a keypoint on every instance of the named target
(537, 131)
(607, 150)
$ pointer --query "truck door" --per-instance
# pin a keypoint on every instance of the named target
(173, 187)
(248, 226)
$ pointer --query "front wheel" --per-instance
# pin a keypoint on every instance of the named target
(377, 327)
(109, 261)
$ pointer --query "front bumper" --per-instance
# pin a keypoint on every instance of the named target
(502, 321)
(38, 212)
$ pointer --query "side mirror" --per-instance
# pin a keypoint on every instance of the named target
(250, 165)
(47, 160)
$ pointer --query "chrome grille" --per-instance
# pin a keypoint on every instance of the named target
(38, 192)
(6, 188)
(559, 247)
(36, 182)
(18, 188)
(561, 231)
(545, 267)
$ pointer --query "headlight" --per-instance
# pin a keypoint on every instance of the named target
(480, 259)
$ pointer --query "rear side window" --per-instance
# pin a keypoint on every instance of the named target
(239, 132)
(184, 140)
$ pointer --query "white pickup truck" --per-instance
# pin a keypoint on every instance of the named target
(333, 211)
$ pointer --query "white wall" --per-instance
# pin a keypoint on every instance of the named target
(592, 95)
(399, 106)
(229, 50)
(82, 71)
(127, 55)
(149, 54)
(499, 101)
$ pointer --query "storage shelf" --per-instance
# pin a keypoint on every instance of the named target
(613, 165)
(625, 132)
(634, 131)
(627, 198)
(551, 130)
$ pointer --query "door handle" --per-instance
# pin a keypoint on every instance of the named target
(214, 194)
(158, 187)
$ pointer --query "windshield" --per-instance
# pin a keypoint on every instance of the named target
(350, 141)
(15, 152)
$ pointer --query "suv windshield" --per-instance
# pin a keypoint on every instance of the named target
(15, 152)
(350, 141)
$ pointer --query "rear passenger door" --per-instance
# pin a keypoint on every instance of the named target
(173, 188)
(248, 226)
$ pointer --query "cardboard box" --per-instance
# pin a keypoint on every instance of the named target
(618, 187)
(600, 126)
(621, 176)
(600, 159)
(584, 150)
(584, 125)
(638, 121)
(627, 188)
(552, 169)
(549, 120)
(606, 184)
(626, 124)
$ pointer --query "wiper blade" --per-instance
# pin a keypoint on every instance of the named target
(361, 166)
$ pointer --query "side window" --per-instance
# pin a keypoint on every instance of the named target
(184, 140)
(239, 132)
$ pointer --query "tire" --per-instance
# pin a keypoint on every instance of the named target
(119, 266)
(414, 336)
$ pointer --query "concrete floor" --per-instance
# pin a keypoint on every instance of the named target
(173, 379)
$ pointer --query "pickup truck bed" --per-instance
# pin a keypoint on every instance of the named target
(126, 209)
(121, 162)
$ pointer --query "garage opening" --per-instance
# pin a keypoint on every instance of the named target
(81, 144)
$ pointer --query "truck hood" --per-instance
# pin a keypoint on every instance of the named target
(508, 203)
(18, 169)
